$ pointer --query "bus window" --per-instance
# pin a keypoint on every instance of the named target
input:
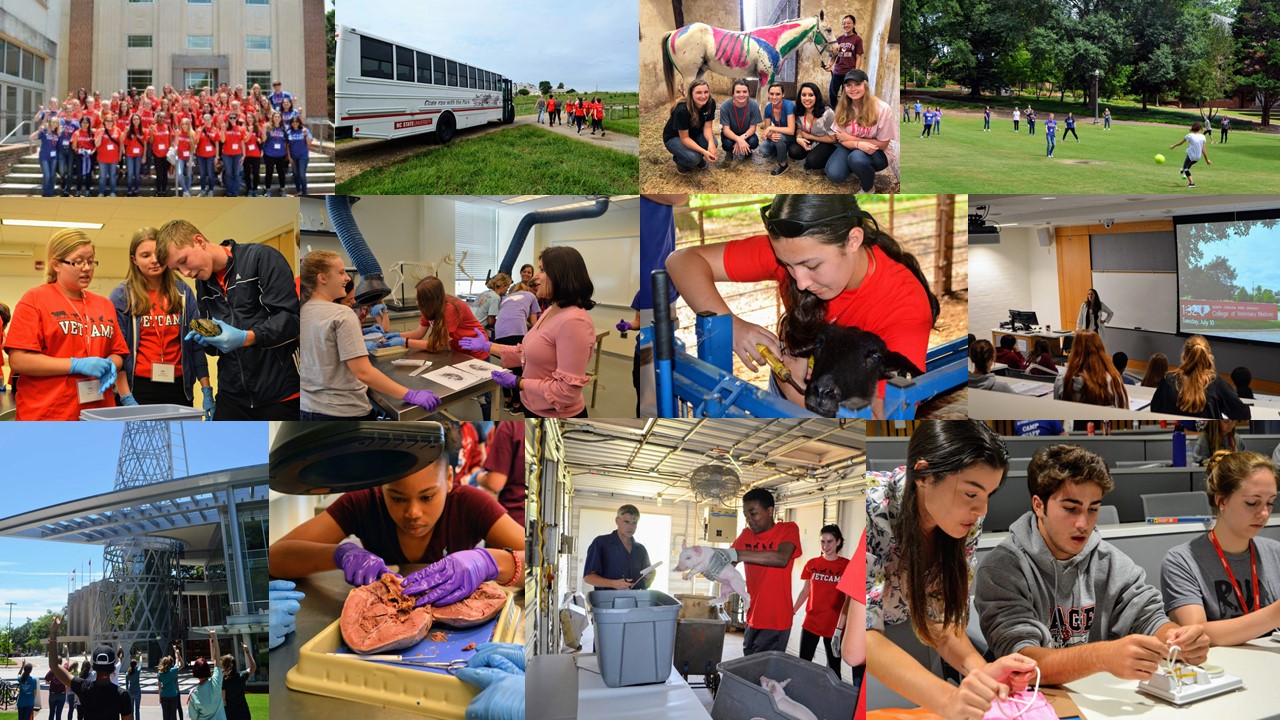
(424, 68)
(404, 64)
(475, 78)
(453, 74)
(375, 58)
(467, 74)
(439, 65)
(488, 80)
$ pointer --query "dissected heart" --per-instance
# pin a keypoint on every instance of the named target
(379, 617)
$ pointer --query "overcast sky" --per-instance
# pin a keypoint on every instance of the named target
(47, 463)
(585, 45)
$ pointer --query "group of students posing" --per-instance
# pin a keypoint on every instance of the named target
(579, 112)
(1054, 600)
(851, 139)
(72, 350)
(216, 138)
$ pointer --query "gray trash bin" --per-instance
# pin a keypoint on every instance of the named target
(812, 685)
(635, 635)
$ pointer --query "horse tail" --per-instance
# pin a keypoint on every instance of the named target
(668, 71)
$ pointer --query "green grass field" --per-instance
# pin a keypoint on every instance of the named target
(963, 159)
(1121, 109)
(516, 160)
(259, 705)
(528, 104)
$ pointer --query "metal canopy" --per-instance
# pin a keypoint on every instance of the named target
(156, 508)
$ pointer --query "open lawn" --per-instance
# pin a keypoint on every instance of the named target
(1121, 109)
(516, 160)
(259, 705)
(964, 159)
(528, 104)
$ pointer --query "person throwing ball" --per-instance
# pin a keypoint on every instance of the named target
(1195, 141)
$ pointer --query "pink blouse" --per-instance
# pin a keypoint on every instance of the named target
(554, 355)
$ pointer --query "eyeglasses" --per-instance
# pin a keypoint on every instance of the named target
(80, 264)
(783, 227)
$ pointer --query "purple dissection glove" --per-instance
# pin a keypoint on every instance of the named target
(424, 399)
(624, 326)
(479, 343)
(505, 379)
(359, 566)
(452, 579)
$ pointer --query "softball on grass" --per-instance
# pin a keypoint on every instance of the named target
(1159, 159)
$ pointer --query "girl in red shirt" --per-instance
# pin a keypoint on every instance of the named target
(445, 321)
(106, 142)
(134, 140)
(252, 154)
(597, 120)
(82, 162)
(824, 605)
(833, 266)
(232, 155)
(160, 137)
(206, 142)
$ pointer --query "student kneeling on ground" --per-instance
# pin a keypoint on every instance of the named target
(1058, 593)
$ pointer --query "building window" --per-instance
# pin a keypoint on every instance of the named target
(141, 1)
(196, 79)
(257, 42)
(257, 2)
(140, 41)
(12, 53)
(261, 77)
(375, 59)
(199, 2)
(139, 79)
(199, 42)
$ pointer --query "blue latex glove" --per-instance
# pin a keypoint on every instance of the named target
(373, 330)
(377, 310)
(479, 343)
(206, 403)
(101, 368)
(396, 341)
(501, 682)
(424, 399)
(284, 608)
(128, 399)
(359, 566)
(229, 339)
(370, 345)
(505, 379)
(451, 579)
(391, 335)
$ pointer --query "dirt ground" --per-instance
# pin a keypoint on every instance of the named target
(658, 172)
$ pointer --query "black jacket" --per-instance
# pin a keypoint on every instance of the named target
(1221, 402)
(260, 296)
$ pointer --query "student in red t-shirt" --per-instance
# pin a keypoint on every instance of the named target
(853, 649)
(833, 265)
(253, 135)
(415, 519)
(134, 140)
(207, 138)
(64, 340)
(444, 322)
(597, 122)
(768, 549)
(106, 141)
(160, 136)
(232, 137)
(824, 605)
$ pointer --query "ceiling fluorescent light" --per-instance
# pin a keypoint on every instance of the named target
(15, 252)
(52, 224)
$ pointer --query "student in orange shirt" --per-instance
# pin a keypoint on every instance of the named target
(160, 136)
(232, 137)
(768, 549)
(82, 161)
(134, 140)
(253, 134)
(824, 605)
(106, 141)
(207, 138)
(551, 110)
(64, 340)
(597, 122)
(580, 113)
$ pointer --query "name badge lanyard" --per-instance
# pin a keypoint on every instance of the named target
(1253, 566)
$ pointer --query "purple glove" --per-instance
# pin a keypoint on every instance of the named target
(424, 399)
(358, 565)
(505, 379)
(624, 326)
(451, 579)
(478, 343)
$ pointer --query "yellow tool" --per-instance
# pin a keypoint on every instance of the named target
(779, 369)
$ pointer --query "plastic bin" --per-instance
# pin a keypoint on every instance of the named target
(698, 607)
(635, 635)
(699, 646)
(812, 685)
(143, 412)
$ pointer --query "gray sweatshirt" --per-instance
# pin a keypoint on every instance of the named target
(1027, 598)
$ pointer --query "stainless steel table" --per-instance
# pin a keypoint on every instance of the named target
(402, 410)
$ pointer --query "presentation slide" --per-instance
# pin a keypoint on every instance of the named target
(1229, 279)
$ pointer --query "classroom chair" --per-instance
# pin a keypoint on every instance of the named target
(1175, 504)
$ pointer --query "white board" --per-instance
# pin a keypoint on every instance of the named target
(613, 264)
(1147, 301)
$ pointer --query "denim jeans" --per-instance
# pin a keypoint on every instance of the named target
(682, 155)
(182, 178)
(133, 166)
(1050, 141)
(56, 702)
(540, 111)
(106, 173)
(206, 174)
(67, 169)
(845, 161)
(48, 174)
(753, 142)
(232, 166)
(778, 150)
(300, 173)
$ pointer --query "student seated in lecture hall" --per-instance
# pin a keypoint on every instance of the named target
(1090, 377)
(981, 353)
(1195, 388)
(1009, 354)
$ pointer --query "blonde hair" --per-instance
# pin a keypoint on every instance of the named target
(137, 297)
(175, 234)
(315, 264)
(500, 280)
(61, 244)
(1196, 373)
(1226, 471)
(866, 113)
(518, 287)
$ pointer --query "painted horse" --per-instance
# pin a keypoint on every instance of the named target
(695, 49)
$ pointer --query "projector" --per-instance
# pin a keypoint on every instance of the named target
(980, 231)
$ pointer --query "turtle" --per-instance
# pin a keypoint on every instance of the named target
(206, 327)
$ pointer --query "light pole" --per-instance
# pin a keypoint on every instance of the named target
(11, 604)
(1096, 74)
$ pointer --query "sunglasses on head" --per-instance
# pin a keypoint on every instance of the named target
(783, 227)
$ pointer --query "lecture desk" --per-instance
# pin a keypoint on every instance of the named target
(1027, 340)
(401, 410)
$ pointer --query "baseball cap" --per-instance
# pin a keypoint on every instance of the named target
(104, 656)
(855, 76)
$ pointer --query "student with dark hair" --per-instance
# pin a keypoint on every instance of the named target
(833, 265)
(739, 118)
(555, 351)
(824, 606)
(814, 139)
(1040, 360)
(1092, 312)
(1058, 593)
(687, 134)
(233, 682)
(847, 56)
(28, 688)
(99, 698)
(923, 524)
(1229, 578)
(981, 377)
(1242, 377)
(1009, 353)
(1196, 389)
(779, 128)
(1120, 360)
(1157, 368)
(1195, 141)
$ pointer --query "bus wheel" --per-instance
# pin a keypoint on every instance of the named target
(445, 128)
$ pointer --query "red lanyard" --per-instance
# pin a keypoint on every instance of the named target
(1253, 562)
(740, 119)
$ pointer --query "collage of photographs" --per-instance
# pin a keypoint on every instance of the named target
(503, 360)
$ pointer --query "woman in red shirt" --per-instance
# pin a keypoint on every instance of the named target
(232, 155)
(824, 606)
(134, 140)
(106, 142)
(597, 122)
(833, 265)
(82, 142)
(445, 321)
(206, 141)
(252, 154)
(160, 136)
(853, 650)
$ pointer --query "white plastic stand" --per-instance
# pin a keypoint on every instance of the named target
(1184, 684)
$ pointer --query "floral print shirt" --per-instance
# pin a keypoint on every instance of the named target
(886, 576)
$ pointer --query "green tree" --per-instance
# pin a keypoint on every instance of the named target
(1212, 68)
(1256, 29)
(523, 91)
(544, 87)
(560, 86)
